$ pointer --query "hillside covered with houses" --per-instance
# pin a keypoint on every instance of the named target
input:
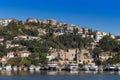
(40, 42)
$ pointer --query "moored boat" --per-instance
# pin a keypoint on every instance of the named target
(37, 68)
(85, 68)
(32, 67)
(15, 68)
(8, 68)
(52, 66)
(72, 67)
(19, 68)
(109, 68)
(93, 68)
(1, 68)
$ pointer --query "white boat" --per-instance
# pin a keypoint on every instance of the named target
(72, 67)
(19, 68)
(32, 67)
(15, 68)
(8, 68)
(52, 66)
(85, 68)
(93, 68)
(37, 68)
(1, 68)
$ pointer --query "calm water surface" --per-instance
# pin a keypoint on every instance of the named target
(56, 75)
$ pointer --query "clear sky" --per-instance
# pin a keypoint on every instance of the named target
(103, 15)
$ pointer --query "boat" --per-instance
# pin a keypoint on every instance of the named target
(85, 68)
(72, 67)
(43, 68)
(19, 68)
(52, 66)
(1, 68)
(109, 68)
(32, 67)
(15, 68)
(93, 68)
(117, 68)
(37, 68)
(8, 68)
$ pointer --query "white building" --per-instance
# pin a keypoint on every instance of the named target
(5, 22)
(10, 55)
(32, 20)
(99, 36)
(112, 36)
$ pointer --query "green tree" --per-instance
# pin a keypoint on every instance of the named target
(43, 59)
(25, 61)
(14, 61)
(96, 52)
(107, 43)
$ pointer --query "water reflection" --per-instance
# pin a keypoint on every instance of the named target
(31, 72)
(6, 73)
(52, 72)
(28, 73)
(74, 72)
(118, 72)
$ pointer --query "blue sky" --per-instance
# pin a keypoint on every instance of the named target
(103, 15)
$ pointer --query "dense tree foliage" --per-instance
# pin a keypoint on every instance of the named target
(96, 53)
(108, 44)
(113, 60)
